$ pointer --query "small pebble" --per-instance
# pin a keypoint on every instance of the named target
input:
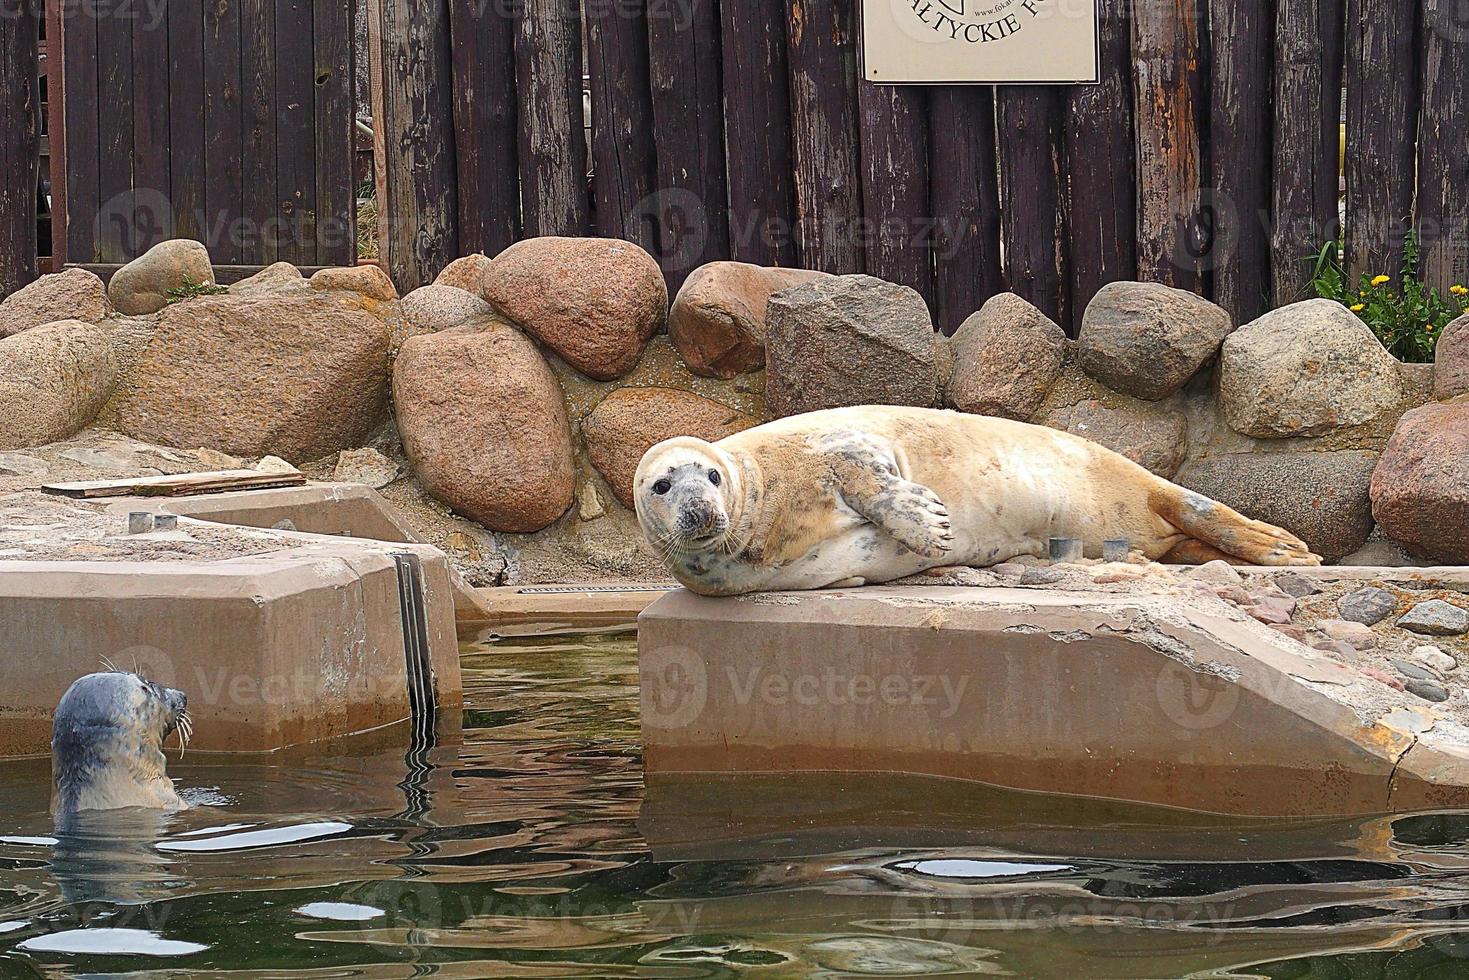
(1356, 634)
(1435, 658)
(1008, 569)
(1297, 633)
(1368, 606)
(1427, 690)
(1219, 572)
(1436, 618)
(1414, 672)
(1283, 603)
(1345, 650)
(1268, 615)
(1383, 677)
(1296, 585)
(1234, 594)
(1041, 576)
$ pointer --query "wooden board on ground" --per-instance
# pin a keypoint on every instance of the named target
(177, 485)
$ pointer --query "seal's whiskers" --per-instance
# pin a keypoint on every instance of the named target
(186, 732)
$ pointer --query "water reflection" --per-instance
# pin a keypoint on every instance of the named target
(533, 849)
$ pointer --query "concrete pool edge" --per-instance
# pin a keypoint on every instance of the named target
(1136, 699)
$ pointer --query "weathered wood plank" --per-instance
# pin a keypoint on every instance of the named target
(623, 160)
(295, 131)
(1243, 41)
(336, 111)
(1031, 179)
(224, 144)
(553, 151)
(486, 126)
(1308, 75)
(261, 232)
(964, 195)
(1443, 146)
(20, 110)
(758, 132)
(55, 69)
(895, 209)
(114, 223)
(83, 147)
(1166, 87)
(1382, 81)
(153, 218)
(688, 130)
(422, 207)
(1101, 154)
(822, 56)
(179, 485)
(187, 69)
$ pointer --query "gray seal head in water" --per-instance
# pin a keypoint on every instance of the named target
(107, 744)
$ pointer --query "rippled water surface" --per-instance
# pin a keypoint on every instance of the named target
(533, 849)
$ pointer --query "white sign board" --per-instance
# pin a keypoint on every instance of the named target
(982, 41)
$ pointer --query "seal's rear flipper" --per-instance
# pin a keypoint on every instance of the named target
(1225, 533)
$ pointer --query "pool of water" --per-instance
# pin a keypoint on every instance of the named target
(534, 849)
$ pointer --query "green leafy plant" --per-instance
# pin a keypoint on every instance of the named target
(191, 289)
(1407, 315)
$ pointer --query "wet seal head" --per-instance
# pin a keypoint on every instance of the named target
(690, 498)
(107, 744)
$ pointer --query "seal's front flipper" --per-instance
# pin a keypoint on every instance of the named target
(910, 512)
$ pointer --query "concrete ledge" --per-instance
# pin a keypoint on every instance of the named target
(284, 648)
(1144, 699)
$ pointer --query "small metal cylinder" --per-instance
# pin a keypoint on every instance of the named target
(140, 522)
(1115, 549)
(166, 522)
(1066, 549)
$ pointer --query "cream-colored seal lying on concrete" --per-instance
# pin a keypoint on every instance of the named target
(107, 745)
(861, 495)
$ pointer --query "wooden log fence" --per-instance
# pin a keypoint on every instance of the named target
(1208, 157)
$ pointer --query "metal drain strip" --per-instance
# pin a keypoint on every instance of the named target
(416, 646)
(574, 589)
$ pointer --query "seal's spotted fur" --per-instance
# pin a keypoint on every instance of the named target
(855, 495)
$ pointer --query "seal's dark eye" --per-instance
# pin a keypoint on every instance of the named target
(662, 487)
(714, 477)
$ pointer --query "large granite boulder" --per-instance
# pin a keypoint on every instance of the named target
(1420, 490)
(594, 301)
(484, 425)
(1307, 369)
(142, 286)
(278, 278)
(54, 379)
(75, 294)
(718, 319)
(1152, 434)
(467, 273)
(849, 340)
(630, 421)
(1322, 498)
(365, 280)
(1146, 339)
(297, 376)
(1450, 359)
(1006, 358)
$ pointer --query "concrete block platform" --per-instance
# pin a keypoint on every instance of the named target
(1167, 700)
(280, 638)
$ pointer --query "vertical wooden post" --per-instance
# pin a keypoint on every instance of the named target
(1382, 79)
(151, 215)
(421, 206)
(486, 126)
(20, 110)
(895, 209)
(623, 162)
(964, 196)
(1443, 146)
(1242, 35)
(1101, 160)
(224, 135)
(56, 129)
(1031, 180)
(336, 133)
(116, 240)
(758, 132)
(1171, 236)
(823, 66)
(553, 149)
(186, 117)
(684, 61)
(1308, 75)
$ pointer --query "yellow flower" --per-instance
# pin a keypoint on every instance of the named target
(1381, 280)
(1459, 290)
(1359, 307)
